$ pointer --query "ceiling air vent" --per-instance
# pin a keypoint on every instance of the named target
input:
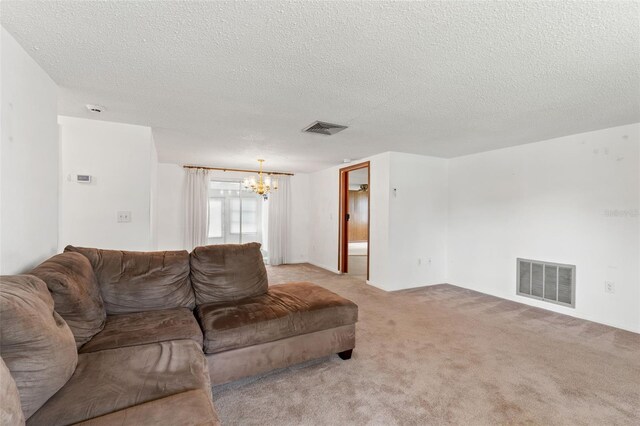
(324, 128)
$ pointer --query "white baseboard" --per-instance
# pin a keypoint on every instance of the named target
(334, 270)
(551, 307)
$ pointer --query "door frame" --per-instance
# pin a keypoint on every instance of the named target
(343, 226)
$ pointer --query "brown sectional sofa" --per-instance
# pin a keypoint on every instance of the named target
(101, 337)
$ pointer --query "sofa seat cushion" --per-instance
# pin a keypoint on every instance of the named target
(35, 343)
(132, 281)
(145, 327)
(285, 310)
(115, 379)
(75, 292)
(192, 408)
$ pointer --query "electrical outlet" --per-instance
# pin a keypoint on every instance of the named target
(124, 217)
(609, 287)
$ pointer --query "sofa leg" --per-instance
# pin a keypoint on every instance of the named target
(345, 354)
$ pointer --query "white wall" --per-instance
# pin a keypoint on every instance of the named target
(29, 161)
(171, 209)
(417, 221)
(323, 214)
(324, 211)
(120, 158)
(465, 221)
(153, 194)
(380, 264)
(405, 226)
(569, 200)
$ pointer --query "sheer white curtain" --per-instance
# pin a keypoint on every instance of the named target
(278, 230)
(197, 208)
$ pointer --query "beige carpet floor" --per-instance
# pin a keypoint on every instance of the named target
(358, 266)
(445, 355)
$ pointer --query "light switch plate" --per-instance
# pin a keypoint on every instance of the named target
(124, 217)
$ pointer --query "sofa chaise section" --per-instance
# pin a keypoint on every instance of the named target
(250, 328)
(236, 364)
(285, 310)
(289, 324)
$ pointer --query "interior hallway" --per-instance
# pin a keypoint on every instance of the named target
(358, 259)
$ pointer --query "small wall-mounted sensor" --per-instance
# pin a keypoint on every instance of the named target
(95, 108)
(83, 178)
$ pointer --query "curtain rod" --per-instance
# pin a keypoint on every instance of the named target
(226, 169)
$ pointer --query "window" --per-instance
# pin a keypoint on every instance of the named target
(215, 217)
(249, 216)
(236, 216)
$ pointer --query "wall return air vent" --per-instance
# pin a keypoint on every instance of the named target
(551, 282)
(324, 128)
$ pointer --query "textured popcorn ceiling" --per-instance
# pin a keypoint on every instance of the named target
(223, 83)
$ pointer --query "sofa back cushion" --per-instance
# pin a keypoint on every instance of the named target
(133, 281)
(35, 343)
(10, 409)
(228, 272)
(76, 294)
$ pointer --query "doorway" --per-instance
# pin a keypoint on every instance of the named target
(353, 258)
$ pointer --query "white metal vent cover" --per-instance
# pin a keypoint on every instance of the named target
(324, 128)
(548, 281)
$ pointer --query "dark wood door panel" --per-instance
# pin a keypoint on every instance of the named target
(358, 215)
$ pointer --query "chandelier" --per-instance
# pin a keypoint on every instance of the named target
(261, 186)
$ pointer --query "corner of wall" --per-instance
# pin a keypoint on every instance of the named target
(29, 156)
(572, 199)
(122, 160)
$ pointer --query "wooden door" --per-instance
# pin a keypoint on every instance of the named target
(358, 215)
(344, 225)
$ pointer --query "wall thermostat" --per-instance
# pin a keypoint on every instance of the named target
(83, 178)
